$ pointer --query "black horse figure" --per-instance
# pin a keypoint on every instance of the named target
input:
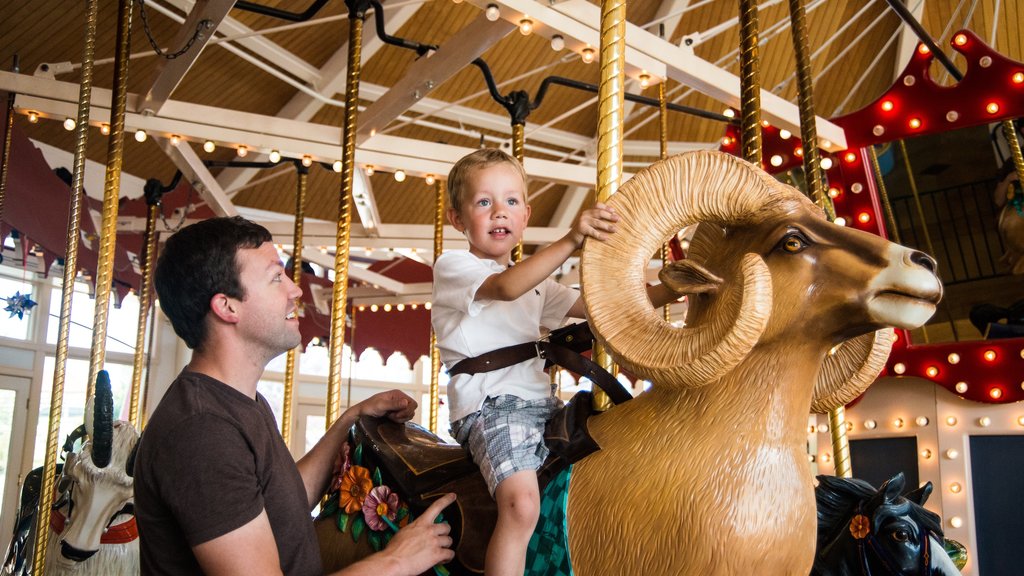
(868, 532)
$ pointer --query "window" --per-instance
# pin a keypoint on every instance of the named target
(10, 325)
(122, 323)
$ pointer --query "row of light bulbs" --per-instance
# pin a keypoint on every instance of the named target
(389, 307)
(899, 422)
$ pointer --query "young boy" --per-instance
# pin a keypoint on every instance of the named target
(481, 302)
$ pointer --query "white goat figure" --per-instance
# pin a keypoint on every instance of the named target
(706, 473)
(92, 529)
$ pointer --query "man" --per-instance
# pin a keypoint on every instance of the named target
(216, 490)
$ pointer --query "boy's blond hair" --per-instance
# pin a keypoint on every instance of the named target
(482, 158)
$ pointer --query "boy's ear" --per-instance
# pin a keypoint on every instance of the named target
(455, 219)
(224, 307)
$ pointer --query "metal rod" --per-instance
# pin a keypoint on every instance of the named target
(924, 37)
(67, 290)
(282, 14)
(840, 444)
(663, 141)
(111, 193)
(145, 287)
(750, 85)
(297, 242)
(518, 139)
(5, 154)
(435, 354)
(341, 258)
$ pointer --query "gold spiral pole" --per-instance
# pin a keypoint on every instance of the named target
(890, 216)
(289, 363)
(111, 192)
(435, 354)
(5, 154)
(808, 127)
(1018, 158)
(518, 144)
(146, 287)
(840, 444)
(663, 137)
(340, 292)
(750, 83)
(68, 289)
(611, 107)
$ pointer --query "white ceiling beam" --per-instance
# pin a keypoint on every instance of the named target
(198, 28)
(570, 206)
(185, 158)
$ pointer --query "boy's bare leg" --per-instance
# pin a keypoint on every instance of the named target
(518, 498)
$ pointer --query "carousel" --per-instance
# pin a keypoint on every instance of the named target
(832, 185)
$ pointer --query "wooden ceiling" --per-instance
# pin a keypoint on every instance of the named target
(268, 67)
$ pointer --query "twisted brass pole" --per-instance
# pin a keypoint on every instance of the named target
(111, 192)
(750, 84)
(1018, 159)
(840, 443)
(808, 127)
(67, 290)
(340, 292)
(5, 154)
(518, 151)
(611, 104)
(289, 362)
(435, 354)
(663, 138)
(145, 287)
(890, 216)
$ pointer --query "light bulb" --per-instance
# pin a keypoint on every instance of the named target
(369, 170)
(956, 522)
(242, 151)
(953, 358)
(337, 166)
(557, 43)
(897, 423)
(33, 116)
(525, 26)
(915, 123)
(729, 113)
(492, 12)
(984, 421)
(105, 129)
(951, 420)
(307, 160)
(840, 221)
(826, 163)
(961, 387)
(922, 421)
(776, 160)
(992, 107)
(952, 454)
(870, 424)
(645, 80)
(955, 487)
(175, 139)
(140, 135)
(274, 156)
(785, 134)
(69, 124)
(430, 179)
(587, 55)
(399, 175)
(209, 146)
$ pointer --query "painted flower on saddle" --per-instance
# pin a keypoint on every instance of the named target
(355, 486)
(380, 503)
(860, 526)
(341, 465)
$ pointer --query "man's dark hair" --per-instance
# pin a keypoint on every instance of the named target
(197, 262)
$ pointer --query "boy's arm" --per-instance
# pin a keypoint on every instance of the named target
(596, 222)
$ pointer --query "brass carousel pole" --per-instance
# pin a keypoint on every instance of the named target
(1018, 158)
(356, 15)
(67, 290)
(5, 154)
(518, 143)
(611, 109)
(663, 137)
(815, 188)
(890, 217)
(111, 192)
(148, 265)
(297, 241)
(435, 355)
(750, 84)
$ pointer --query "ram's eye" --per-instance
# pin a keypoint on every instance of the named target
(793, 244)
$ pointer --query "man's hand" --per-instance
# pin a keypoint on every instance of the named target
(596, 222)
(394, 404)
(423, 544)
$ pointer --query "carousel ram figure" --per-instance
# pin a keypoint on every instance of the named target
(706, 473)
(92, 524)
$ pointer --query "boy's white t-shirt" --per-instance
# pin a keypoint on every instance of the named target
(466, 328)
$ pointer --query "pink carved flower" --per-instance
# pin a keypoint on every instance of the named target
(380, 502)
(341, 465)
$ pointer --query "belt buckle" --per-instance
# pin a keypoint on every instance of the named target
(539, 350)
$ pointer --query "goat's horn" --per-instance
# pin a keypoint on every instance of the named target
(653, 205)
(99, 420)
(848, 372)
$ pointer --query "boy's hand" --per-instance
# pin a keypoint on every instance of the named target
(597, 222)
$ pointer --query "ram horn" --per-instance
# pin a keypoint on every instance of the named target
(848, 372)
(653, 205)
(99, 420)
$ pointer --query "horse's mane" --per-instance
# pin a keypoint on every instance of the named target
(837, 498)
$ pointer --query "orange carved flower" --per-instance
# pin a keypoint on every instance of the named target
(355, 485)
(860, 526)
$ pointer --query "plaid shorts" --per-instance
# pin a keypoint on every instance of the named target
(506, 435)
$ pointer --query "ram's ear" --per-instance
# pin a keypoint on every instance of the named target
(688, 277)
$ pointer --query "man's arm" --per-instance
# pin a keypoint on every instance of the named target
(316, 466)
(251, 549)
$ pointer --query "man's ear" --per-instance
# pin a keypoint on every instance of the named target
(455, 219)
(224, 308)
